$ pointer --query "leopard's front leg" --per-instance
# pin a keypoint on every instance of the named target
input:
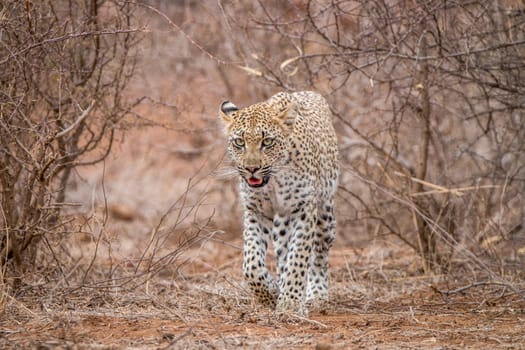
(256, 236)
(294, 274)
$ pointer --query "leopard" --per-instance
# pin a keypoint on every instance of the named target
(285, 152)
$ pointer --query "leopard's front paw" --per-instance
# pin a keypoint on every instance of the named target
(287, 305)
(317, 305)
(265, 294)
(267, 300)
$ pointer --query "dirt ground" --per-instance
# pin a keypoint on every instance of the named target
(379, 301)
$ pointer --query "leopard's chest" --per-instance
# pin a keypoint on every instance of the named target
(281, 196)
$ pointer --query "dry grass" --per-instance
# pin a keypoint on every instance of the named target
(378, 299)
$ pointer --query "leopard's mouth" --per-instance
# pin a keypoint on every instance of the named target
(257, 182)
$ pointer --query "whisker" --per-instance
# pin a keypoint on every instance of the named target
(267, 171)
(226, 172)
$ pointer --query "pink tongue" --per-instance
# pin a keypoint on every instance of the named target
(254, 181)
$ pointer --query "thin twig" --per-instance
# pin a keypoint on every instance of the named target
(472, 285)
(78, 121)
(440, 189)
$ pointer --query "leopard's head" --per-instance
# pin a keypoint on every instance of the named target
(258, 138)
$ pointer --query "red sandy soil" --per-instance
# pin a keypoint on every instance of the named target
(375, 305)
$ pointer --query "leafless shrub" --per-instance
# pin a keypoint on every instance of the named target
(430, 100)
(63, 68)
(179, 228)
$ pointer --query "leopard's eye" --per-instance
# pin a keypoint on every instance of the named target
(268, 142)
(238, 142)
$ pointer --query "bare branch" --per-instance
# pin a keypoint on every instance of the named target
(80, 118)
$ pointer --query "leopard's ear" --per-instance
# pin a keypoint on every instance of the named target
(286, 116)
(226, 110)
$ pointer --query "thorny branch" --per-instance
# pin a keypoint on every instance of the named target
(58, 58)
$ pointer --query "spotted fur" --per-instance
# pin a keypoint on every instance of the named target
(285, 150)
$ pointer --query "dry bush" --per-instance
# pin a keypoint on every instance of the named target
(63, 68)
(70, 96)
(430, 104)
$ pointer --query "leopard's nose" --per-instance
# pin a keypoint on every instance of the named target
(252, 169)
